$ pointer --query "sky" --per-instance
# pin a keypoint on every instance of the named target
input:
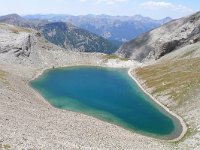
(156, 9)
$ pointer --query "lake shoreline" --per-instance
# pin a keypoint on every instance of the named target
(184, 127)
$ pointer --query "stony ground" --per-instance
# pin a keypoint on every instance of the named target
(27, 121)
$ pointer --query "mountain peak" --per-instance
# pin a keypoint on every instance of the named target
(13, 19)
(11, 16)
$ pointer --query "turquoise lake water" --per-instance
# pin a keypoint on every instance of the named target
(107, 94)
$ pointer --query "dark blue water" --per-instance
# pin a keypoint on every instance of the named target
(108, 94)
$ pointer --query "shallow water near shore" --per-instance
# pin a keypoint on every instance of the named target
(107, 94)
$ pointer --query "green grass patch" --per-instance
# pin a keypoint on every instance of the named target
(2, 74)
(177, 78)
(3, 78)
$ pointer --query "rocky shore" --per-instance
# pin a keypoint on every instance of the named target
(27, 121)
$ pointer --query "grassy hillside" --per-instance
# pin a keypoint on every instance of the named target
(174, 79)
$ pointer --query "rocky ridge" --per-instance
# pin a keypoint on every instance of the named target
(163, 40)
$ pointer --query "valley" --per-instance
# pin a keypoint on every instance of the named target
(164, 63)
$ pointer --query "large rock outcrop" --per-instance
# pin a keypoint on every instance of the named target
(15, 40)
(29, 48)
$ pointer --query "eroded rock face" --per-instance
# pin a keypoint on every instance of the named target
(167, 48)
(17, 41)
(161, 41)
(25, 48)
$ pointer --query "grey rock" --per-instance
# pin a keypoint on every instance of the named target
(17, 43)
(163, 40)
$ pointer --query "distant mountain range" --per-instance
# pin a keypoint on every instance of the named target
(163, 40)
(90, 33)
(64, 34)
(114, 28)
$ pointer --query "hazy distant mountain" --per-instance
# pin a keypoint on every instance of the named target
(17, 20)
(71, 37)
(118, 28)
(163, 40)
(64, 34)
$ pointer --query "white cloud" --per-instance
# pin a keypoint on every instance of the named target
(111, 1)
(152, 4)
(166, 5)
(106, 1)
(83, 0)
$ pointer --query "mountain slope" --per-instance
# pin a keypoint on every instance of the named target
(22, 46)
(117, 28)
(64, 35)
(15, 19)
(163, 40)
(71, 37)
(27, 47)
(174, 78)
